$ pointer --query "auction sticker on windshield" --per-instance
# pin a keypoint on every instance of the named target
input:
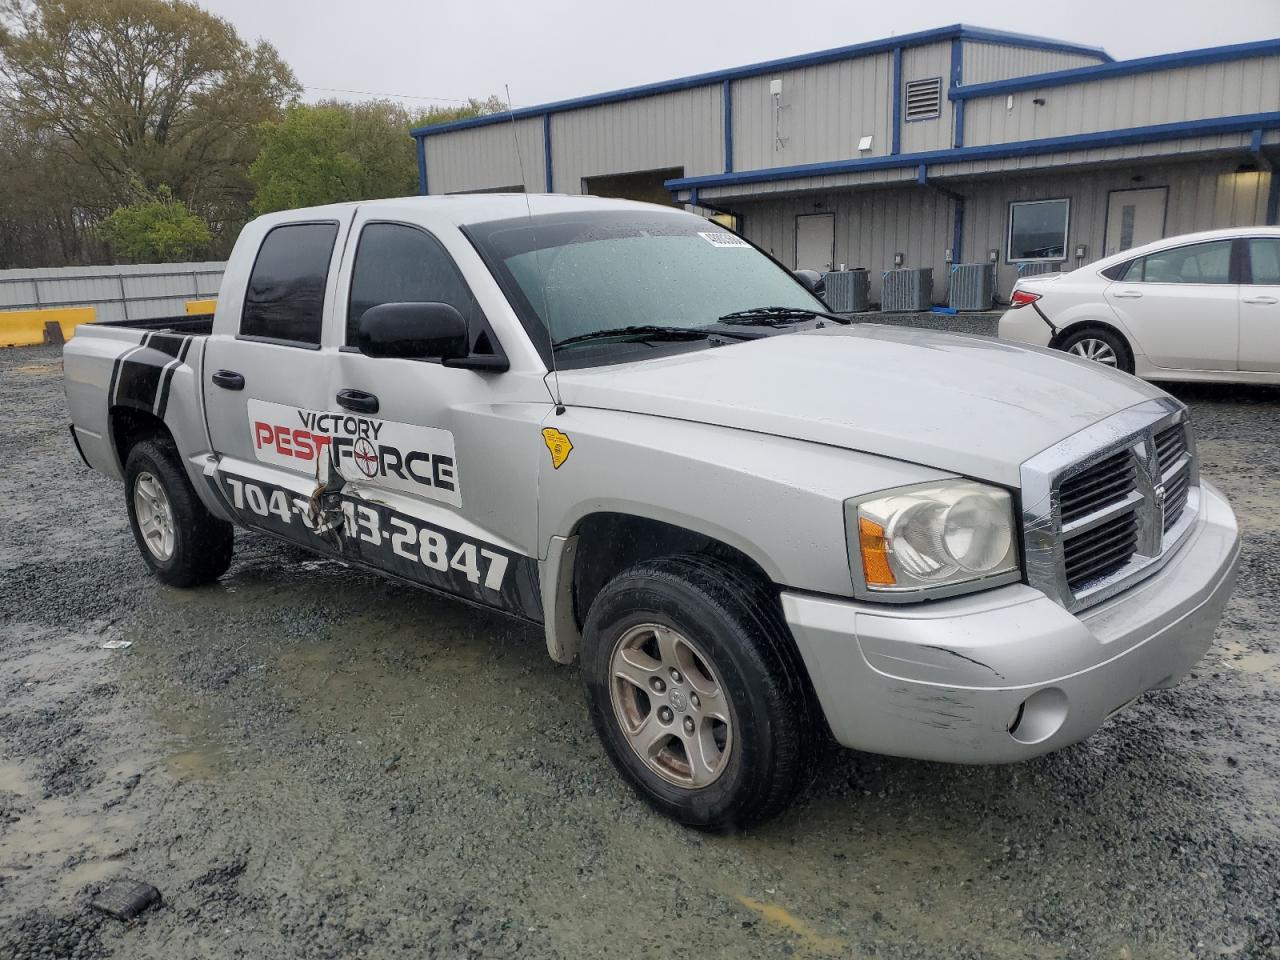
(381, 453)
(724, 240)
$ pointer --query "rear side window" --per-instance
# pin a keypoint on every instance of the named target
(285, 300)
(1264, 258)
(1197, 263)
(396, 263)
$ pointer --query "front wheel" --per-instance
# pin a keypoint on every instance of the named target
(181, 542)
(697, 692)
(1100, 346)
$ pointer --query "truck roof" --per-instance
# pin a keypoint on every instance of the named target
(473, 208)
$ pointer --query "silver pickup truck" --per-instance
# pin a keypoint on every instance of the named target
(751, 521)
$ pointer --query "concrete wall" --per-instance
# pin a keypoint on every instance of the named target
(134, 292)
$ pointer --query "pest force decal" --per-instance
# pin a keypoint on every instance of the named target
(380, 453)
(373, 535)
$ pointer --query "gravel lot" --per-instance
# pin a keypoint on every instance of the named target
(310, 762)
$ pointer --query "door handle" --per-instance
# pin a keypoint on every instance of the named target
(358, 400)
(228, 380)
(1263, 299)
(1128, 295)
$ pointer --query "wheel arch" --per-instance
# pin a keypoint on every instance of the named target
(1092, 323)
(601, 545)
(128, 426)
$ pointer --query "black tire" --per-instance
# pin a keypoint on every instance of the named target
(737, 623)
(202, 543)
(1114, 341)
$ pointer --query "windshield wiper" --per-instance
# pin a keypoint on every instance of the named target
(772, 316)
(641, 332)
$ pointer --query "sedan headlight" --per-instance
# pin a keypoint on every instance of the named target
(931, 540)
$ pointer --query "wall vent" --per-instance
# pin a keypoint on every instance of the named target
(973, 286)
(924, 99)
(907, 290)
(848, 291)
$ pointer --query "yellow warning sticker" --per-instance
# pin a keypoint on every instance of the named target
(559, 444)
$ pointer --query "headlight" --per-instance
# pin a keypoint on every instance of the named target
(937, 539)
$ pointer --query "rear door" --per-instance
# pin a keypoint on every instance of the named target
(1260, 307)
(1181, 306)
(264, 379)
(439, 463)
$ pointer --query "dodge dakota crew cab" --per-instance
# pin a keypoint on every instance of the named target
(751, 521)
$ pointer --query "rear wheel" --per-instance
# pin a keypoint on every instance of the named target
(697, 692)
(1101, 346)
(182, 543)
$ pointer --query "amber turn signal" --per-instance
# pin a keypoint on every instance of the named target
(875, 554)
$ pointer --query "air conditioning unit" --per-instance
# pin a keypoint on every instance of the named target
(848, 291)
(973, 286)
(907, 290)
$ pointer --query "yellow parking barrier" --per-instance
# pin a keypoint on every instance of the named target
(24, 328)
(201, 307)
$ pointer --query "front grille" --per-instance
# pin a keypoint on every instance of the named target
(1099, 486)
(1109, 505)
(1101, 551)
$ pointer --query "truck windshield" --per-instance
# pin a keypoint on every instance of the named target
(569, 275)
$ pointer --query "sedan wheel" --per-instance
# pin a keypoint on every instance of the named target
(1099, 351)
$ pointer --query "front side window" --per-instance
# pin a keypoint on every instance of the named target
(396, 263)
(285, 298)
(1038, 230)
(1197, 263)
(1264, 256)
(574, 274)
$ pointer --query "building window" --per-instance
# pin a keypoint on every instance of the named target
(285, 297)
(1038, 230)
(924, 99)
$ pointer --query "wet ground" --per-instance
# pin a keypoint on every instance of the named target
(310, 762)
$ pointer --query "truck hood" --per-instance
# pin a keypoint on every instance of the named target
(969, 405)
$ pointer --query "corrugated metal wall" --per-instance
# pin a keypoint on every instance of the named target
(923, 63)
(484, 158)
(825, 110)
(984, 62)
(870, 227)
(135, 292)
(679, 129)
(1202, 196)
(1165, 96)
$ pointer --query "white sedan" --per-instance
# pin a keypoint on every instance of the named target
(1204, 306)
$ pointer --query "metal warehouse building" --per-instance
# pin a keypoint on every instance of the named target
(955, 145)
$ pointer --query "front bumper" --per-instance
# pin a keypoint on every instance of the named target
(948, 680)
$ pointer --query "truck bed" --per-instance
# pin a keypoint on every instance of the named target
(192, 326)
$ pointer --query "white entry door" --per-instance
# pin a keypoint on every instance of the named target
(1134, 217)
(815, 241)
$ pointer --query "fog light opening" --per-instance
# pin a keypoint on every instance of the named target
(1039, 716)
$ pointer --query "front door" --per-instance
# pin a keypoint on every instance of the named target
(439, 464)
(1181, 307)
(1134, 217)
(815, 241)
(1260, 307)
(260, 380)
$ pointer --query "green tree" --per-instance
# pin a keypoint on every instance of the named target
(155, 229)
(159, 91)
(472, 108)
(330, 152)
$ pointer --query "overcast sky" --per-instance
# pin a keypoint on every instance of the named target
(553, 49)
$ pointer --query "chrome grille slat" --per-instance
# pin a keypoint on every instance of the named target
(1107, 506)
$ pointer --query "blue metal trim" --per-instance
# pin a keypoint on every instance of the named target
(957, 230)
(1255, 142)
(726, 96)
(922, 175)
(1078, 141)
(957, 77)
(896, 148)
(546, 151)
(1273, 199)
(1123, 68)
(834, 55)
(422, 165)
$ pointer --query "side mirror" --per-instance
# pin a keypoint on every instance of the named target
(413, 331)
(811, 279)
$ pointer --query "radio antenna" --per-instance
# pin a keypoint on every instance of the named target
(537, 265)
